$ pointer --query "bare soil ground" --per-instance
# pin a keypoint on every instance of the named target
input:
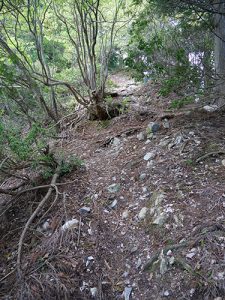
(114, 252)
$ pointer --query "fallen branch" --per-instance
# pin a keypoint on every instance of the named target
(220, 152)
(39, 207)
(43, 187)
(12, 193)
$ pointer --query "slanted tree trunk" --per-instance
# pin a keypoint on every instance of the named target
(219, 50)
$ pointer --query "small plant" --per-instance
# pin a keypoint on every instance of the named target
(125, 103)
(109, 100)
(111, 84)
(170, 85)
(189, 162)
(103, 124)
(70, 164)
(179, 103)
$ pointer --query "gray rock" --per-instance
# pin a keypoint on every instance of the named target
(160, 219)
(149, 156)
(71, 224)
(133, 249)
(210, 108)
(141, 136)
(89, 260)
(113, 204)
(166, 123)
(153, 127)
(142, 213)
(166, 294)
(114, 188)
(94, 292)
(127, 292)
(191, 253)
(46, 225)
(178, 140)
(143, 176)
(84, 210)
(125, 214)
(116, 142)
(139, 263)
(163, 266)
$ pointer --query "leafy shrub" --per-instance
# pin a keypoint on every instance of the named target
(179, 103)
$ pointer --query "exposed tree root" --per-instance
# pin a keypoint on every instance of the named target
(40, 205)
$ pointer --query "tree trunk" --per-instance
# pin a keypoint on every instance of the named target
(219, 50)
(98, 109)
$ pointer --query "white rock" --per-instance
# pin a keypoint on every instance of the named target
(166, 294)
(171, 260)
(125, 214)
(89, 259)
(94, 292)
(163, 263)
(142, 213)
(116, 142)
(113, 204)
(223, 162)
(127, 293)
(144, 189)
(143, 176)
(192, 292)
(70, 224)
(141, 136)
(190, 255)
(139, 263)
(166, 123)
(210, 108)
(90, 232)
(149, 156)
(160, 219)
(169, 253)
(114, 188)
(46, 225)
(84, 286)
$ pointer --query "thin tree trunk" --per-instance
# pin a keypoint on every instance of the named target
(219, 50)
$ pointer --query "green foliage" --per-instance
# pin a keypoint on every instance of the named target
(179, 103)
(161, 39)
(103, 124)
(125, 103)
(189, 162)
(71, 163)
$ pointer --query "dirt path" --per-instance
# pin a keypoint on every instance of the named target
(144, 193)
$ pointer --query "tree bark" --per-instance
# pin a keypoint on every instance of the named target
(219, 50)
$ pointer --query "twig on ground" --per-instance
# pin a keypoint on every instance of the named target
(79, 230)
(220, 152)
(7, 275)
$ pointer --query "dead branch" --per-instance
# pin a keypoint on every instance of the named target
(41, 204)
(12, 193)
(79, 231)
(220, 152)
